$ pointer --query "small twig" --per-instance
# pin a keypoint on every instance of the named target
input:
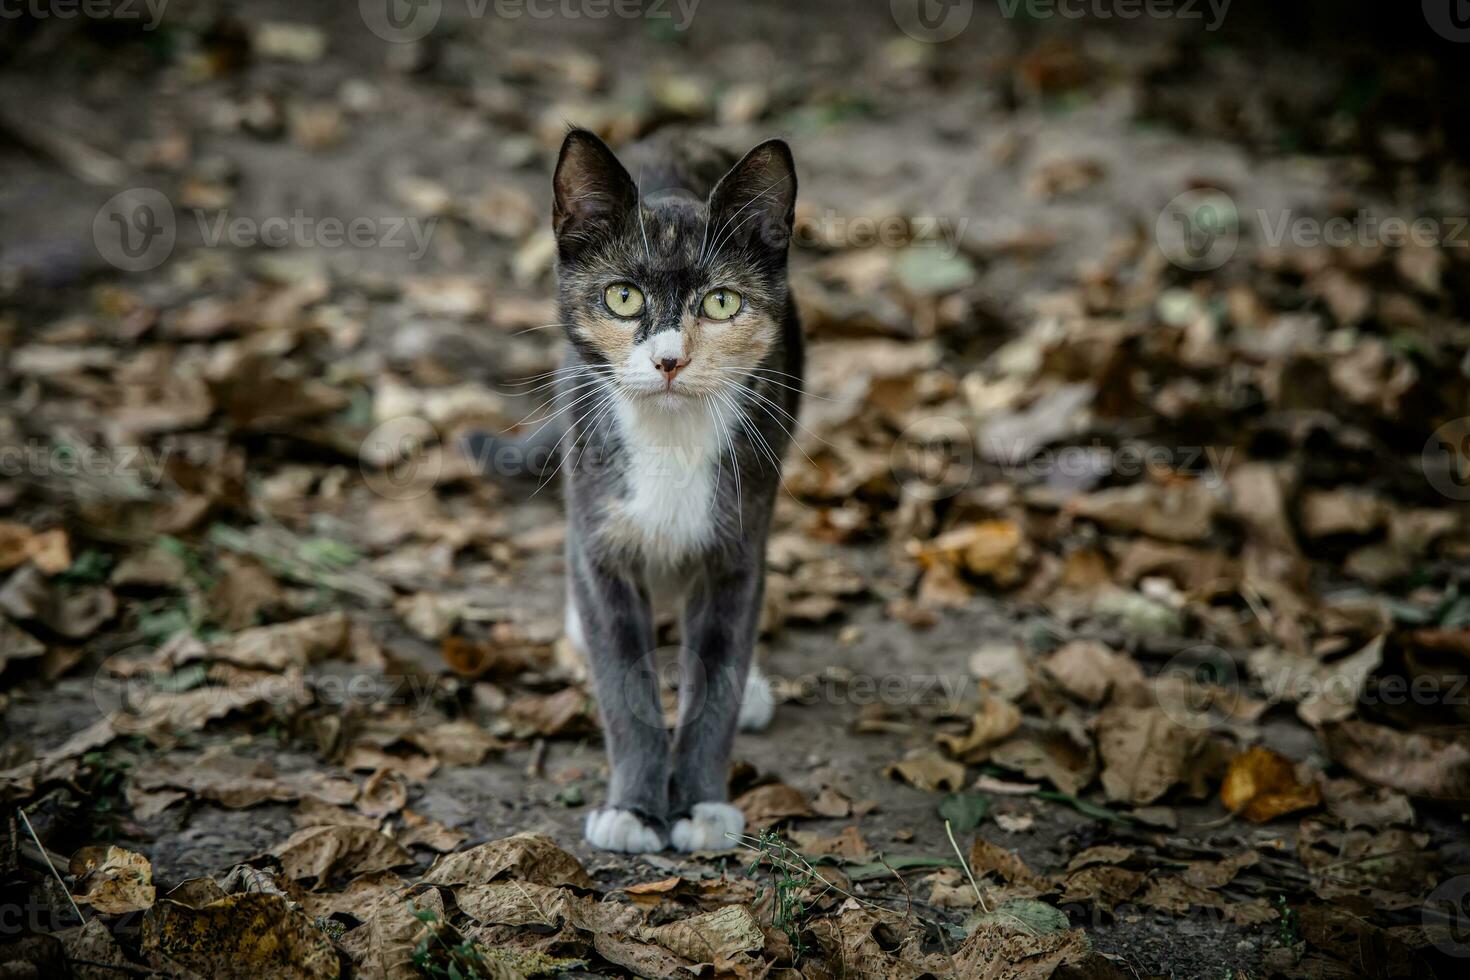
(45, 855)
(966, 865)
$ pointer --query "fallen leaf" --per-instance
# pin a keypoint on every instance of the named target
(322, 853)
(772, 803)
(263, 934)
(1144, 753)
(1422, 765)
(994, 720)
(111, 880)
(1261, 785)
(710, 937)
(527, 857)
(930, 772)
(1089, 671)
(426, 832)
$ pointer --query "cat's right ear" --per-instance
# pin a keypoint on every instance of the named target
(591, 189)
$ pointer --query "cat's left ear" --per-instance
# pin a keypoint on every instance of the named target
(756, 200)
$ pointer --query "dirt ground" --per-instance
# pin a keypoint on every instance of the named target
(1027, 162)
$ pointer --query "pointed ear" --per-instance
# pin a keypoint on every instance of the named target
(756, 200)
(590, 186)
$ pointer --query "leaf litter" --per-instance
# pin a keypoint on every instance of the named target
(1229, 603)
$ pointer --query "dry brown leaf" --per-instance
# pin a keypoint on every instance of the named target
(990, 548)
(47, 550)
(264, 934)
(1422, 765)
(710, 937)
(383, 794)
(1053, 756)
(455, 743)
(294, 644)
(111, 880)
(1346, 511)
(1144, 753)
(527, 857)
(987, 858)
(322, 853)
(848, 845)
(567, 712)
(772, 803)
(931, 772)
(1179, 510)
(427, 832)
(995, 719)
(1089, 671)
(1261, 785)
(384, 945)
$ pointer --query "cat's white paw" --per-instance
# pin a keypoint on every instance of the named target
(757, 704)
(707, 828)
(611, 829)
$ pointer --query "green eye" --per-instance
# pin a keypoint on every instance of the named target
(721, 304)
(624, 299)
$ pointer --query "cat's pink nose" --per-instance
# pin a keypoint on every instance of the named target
(670, 366)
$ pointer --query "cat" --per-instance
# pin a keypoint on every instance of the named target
(680, 384)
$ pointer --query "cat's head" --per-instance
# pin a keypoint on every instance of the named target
(673, 298)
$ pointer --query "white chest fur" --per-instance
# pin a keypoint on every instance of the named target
(672, 462)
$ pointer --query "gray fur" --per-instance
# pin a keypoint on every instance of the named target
(689, 235)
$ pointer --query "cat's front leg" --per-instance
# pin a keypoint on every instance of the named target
(617, 628)
(720, 619)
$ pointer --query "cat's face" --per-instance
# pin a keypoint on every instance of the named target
(672, 299)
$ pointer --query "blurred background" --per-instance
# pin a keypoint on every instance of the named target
(1136, 463)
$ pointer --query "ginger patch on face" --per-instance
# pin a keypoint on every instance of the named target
(612, 336)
